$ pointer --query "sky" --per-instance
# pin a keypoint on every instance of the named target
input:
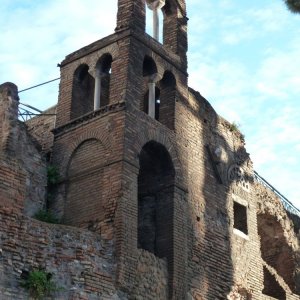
(244, 58)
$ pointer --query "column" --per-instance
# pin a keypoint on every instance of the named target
(151, 100)
(97, 93)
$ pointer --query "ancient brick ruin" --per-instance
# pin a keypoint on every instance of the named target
(156, 196)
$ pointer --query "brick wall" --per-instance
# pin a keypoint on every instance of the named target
(81, 263)
(23, 166)
(40, 128)
(191, 165)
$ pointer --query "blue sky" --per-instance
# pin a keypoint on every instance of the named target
(243, 58)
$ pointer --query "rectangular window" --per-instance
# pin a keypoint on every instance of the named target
(240, 217)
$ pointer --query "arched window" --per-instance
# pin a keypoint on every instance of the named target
(102, 86)
(149, 67)
(154, 19)
(82, 92)
(165, 20)
(145, 107)
(150, 74)
(167, 88)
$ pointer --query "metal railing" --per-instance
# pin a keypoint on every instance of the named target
(27, 112)
(286, 203)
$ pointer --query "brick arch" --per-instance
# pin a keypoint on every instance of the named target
(84, 184)
(113, 50)
(91, 60)
(166, 106)
(161, 64)
(102, 137)
(97, 158)
(158, 136)
(82, 94)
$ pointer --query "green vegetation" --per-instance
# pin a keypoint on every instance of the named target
(46, 216)
(293, 5)
(53, 178)
(234, 127)
(52, 175)
(39, 284)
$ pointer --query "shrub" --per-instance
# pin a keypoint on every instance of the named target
(39, 284)
(234, 127)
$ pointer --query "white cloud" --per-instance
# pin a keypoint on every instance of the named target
(243, 59)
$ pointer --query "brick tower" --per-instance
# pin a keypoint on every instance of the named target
(115, 142)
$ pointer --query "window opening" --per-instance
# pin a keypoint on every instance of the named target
(157, 103)
(102, 81)
(154, 15)
(167, 99)
(150, 73)
(240, 217)
(82, 92)
(155, 200)
(271, 286)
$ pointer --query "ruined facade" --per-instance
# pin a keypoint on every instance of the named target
(156, 194)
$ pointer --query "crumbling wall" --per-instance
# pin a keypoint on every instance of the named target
(81, 263)
(152, 279)
(22, 164)
(41, 126)
(282, 251)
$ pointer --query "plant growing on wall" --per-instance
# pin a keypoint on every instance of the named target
(46, 216)
(39, 284)
(53, 177)
(234, 127)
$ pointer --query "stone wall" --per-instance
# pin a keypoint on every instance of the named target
(81, 263)
(152, 279)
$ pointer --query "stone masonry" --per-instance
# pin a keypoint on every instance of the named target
(155, 204)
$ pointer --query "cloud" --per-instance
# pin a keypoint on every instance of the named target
(263, 96)
(243, 58)
(34, 38)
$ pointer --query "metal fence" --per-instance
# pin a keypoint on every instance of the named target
(286, 203)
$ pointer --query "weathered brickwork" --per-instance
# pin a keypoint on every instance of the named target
(151, 207)
(40, 127)
(82, 263)
(23, 166)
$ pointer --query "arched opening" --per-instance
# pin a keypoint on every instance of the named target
(149, 67)
(149, 74)
(271, 287)
(167, 99)
(275, 250)
(82, 92)
(154, 18)
(155, 201)
(102, 86)
(145, 107)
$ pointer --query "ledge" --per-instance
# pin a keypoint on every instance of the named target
(91, 115)
(241, 234)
